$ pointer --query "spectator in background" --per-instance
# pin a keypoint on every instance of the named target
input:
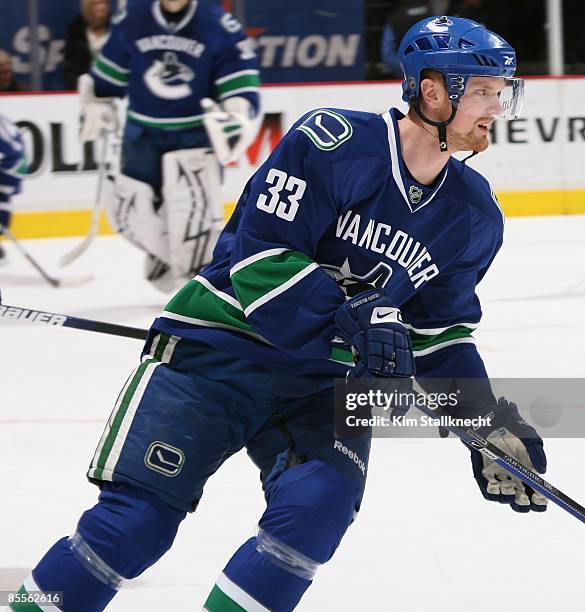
(7, 80)
(85, 37)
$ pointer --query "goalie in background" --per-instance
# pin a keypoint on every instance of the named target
(192, 82)
(12, 168)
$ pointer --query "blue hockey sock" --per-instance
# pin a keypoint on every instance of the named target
(60, 570)
(126, 532)
(309, 509)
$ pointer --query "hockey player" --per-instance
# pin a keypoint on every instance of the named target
(12, 167)
(192, 80)
(352, 216)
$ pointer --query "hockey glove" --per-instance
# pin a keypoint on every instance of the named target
(373, 326)
(510, 433)
(230, 127)
(97, 115)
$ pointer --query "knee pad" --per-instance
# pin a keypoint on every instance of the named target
(310, 507)
(124, 534)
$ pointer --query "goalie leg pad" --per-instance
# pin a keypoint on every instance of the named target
(130, 209)
(124, 534)
(310, 506)
(193, 208)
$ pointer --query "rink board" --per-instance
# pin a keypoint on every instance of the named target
(536, 164)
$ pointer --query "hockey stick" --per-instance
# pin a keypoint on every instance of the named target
(468, 436)
(55, 282)
(527, 476)
(61, 320)
(95, 215)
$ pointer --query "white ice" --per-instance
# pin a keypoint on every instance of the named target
(425, 540)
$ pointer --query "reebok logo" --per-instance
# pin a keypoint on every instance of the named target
(337, 445)
(385, 315)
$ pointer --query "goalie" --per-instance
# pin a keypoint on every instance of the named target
(192, 82)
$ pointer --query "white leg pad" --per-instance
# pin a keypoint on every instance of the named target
(129, 207)
(193, 208)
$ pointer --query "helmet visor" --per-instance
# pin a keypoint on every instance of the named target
(490, 96)
(512, 99)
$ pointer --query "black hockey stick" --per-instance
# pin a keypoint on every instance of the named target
(73, 281)
(527, 476)
(61, 320)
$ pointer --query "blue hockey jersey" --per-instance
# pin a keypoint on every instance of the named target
(167, 68)
(332, 212)
(12, 165)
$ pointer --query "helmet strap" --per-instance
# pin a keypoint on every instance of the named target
(440, 125)
(472, 154)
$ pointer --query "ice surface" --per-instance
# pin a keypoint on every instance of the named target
(425, 539)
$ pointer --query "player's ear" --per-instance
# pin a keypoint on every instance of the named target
(432, 92)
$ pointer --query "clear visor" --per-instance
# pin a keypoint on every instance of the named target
(493, 97)
(512, 99)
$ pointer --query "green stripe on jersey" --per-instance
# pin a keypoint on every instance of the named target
(218, 601)
(238, 82)
(421, 342)
(24, 606)
(340, 354)
(109, 70)
(264, 275)
(164, 124)
(124, 404)
(197, 302)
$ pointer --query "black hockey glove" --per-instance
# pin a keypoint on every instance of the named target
(373, 326)
(510, 433)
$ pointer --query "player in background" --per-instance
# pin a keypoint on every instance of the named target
(192, 80)
(353, 218)
(12, 168)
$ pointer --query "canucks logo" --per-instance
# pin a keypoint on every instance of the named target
(443, 21)
(164, 458)
(326, 129)
(169, 78)
(351, 284)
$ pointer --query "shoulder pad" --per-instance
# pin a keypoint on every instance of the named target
(326, 129)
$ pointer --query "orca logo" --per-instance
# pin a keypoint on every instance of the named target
(443, 21)
(169, 78)
(327, 129)
(164, 458)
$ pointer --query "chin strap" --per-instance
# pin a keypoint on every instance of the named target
(472, 154)
(440, 125)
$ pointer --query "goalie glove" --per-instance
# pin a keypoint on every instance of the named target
(97, 115)
(510, 433)
(230, 127)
